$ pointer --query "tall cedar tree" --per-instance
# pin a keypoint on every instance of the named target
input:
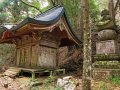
(87, 46)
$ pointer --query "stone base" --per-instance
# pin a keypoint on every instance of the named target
(104, 74)
(107, 47)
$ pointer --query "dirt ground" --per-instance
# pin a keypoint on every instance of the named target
(23, 83)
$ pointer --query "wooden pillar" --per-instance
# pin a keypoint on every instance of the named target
(33, 75)
(17, 57)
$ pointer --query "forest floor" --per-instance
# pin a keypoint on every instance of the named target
(49, 83)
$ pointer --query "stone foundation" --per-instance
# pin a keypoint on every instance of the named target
(104, 74)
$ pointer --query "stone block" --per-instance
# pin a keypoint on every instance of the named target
(104, 74)
(107, 47)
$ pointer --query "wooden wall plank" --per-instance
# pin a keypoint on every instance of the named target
(25, 57)
(22, 57)
(33, 52)
(34, 56)
(18, 57)
(28, 56)
(47, 57)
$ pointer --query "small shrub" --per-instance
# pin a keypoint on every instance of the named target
(58, 88)
(101, 86)
(32, 84)
(115, 80)
(49, 81)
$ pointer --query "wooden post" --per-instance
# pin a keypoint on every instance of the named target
(87, 46)
(33, 75)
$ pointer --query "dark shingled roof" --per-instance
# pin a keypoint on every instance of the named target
(48, 17)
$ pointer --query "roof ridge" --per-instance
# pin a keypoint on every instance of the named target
(51, 9)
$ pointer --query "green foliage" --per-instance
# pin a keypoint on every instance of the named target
(17, 10)
(35, 3)
(50, 84)
(101, 86)
(49, 80)
(115, 80)
(105, 87)
(14, 11)
(7, 54)
(102, 4)
(3, 17)
(73, 11)
(58, 88)
(94, 10)
(32, 85)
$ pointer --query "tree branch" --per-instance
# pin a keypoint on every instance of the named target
(116, 6)
(111, 10)
(31, 6)
(53, 2)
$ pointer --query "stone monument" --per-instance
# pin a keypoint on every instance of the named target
(108, 42)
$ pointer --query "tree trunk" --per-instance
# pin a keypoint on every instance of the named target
(111, 10)
(117, 5)
(87, 46)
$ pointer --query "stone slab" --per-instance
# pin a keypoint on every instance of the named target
(104, 74)
(107, 47)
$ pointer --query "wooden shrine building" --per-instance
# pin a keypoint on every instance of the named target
(38, 39)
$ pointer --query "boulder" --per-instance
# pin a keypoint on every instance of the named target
(67, 83)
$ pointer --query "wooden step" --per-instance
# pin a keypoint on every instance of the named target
(12, 72)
